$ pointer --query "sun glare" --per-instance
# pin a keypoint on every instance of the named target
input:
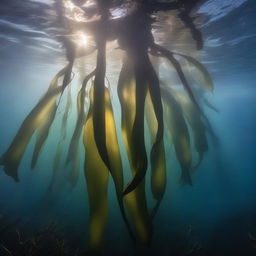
(81, 39)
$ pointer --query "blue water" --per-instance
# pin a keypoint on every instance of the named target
(220, 207)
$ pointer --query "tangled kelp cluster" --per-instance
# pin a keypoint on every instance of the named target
(142, 93)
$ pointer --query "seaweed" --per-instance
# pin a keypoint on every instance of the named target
(48, 240)
(141, 95)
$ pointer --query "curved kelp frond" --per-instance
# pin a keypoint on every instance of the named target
(96, 174)
(135, 201)
(158, 163)
(73, 152)
(40, 117)
(128, 30)
(169, 55)
(206, 81)
(196, 123)
(180, 135)
(112, 147)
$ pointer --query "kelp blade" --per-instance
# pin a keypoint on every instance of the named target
(112, 147)
(137, 140)
(158, 163)
(169, 56)
(43, 130)
(81, 98)
(114, 156)
(206, 80)
(99, 103)
(12, 157)
(73, 150)
(195, 121)
(180, 135)
(135, 201)
(96, 175)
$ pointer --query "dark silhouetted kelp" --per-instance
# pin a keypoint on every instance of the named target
(141, 94)
(73, 150)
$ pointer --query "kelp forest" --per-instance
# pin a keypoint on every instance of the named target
(132, 75)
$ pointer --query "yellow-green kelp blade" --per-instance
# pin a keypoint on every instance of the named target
(180, 135)
(73, 152)
(206, 80)
(135, 201)
(196, 123)
(96, 174)
(137, 140)
(158, 163)
(43, 130)
(156, 127)
(114, 156)
(12, 157)
(81, 98)
(112, 147)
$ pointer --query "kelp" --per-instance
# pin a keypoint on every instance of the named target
(180, 135)
(96, 174)
(137, 146)
(115, 163)
(141, 97)
(73, 152)
(157, 157)
(196, 123)
(184, 14)
(47, 240)
(206, 78)
(161, 51)
(35, 119)
(135, 201)
(158, 161)
(135, 44)
(81, 97)
(169, 55)
(99, 122)
(43, 130)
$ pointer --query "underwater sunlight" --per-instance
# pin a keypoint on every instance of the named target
(128, 127)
